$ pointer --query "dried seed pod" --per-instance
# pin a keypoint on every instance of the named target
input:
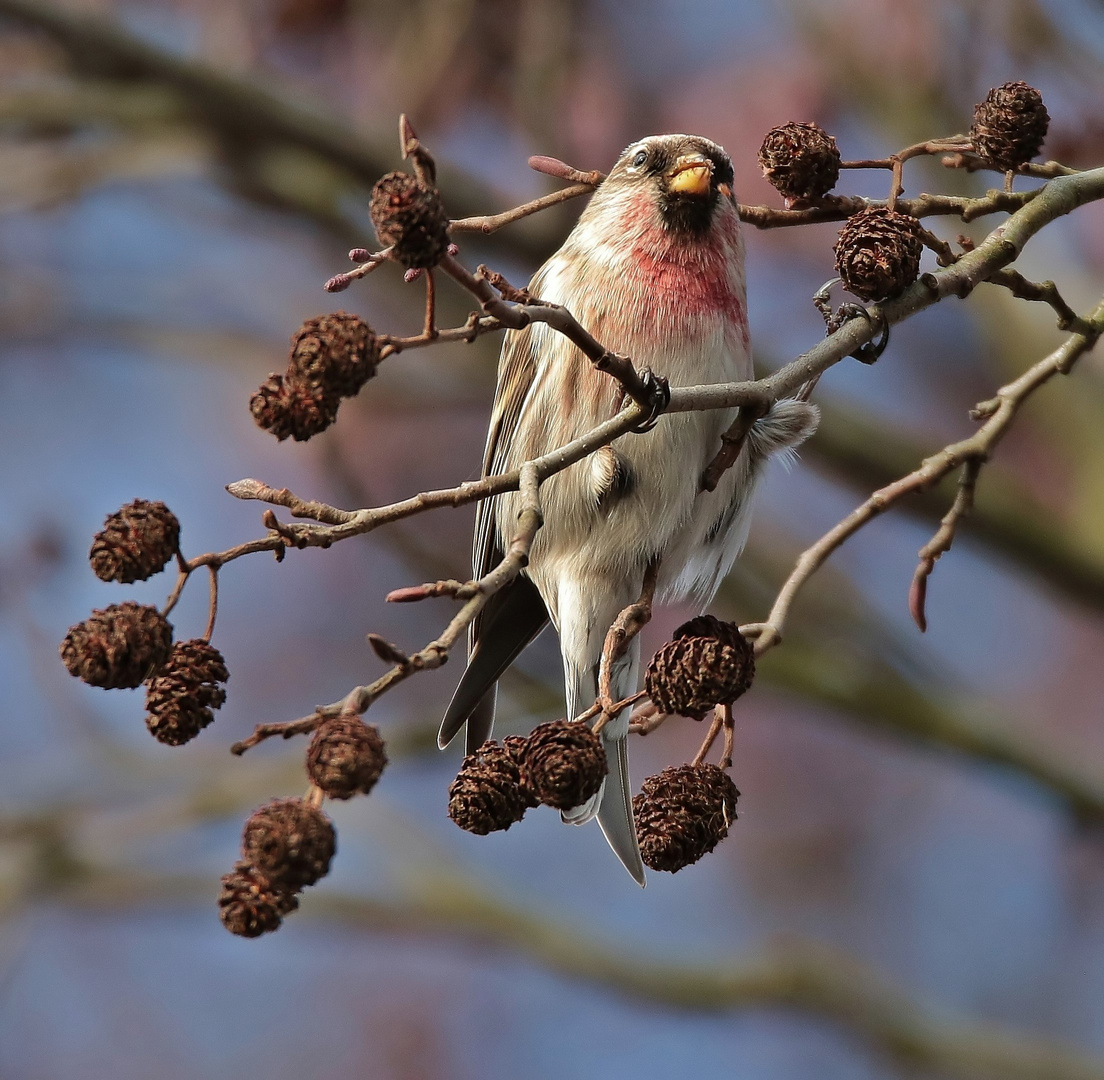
(288, 407)
(878, 253)
(1010, 125)
(290, 841)
(682, 814)
(411, 218)
(334, 354)
(486, 795)
(346, 757)
(181, 696)
(710, 626)
(117, 646)
(708, 663)
(800, 160)
(135, 542)
(251, 904)
(563, 763)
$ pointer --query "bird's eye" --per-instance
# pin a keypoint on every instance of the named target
(639, 159)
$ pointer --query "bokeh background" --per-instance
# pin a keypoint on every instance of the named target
(915, 886)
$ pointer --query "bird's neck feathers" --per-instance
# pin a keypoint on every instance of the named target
(669, 278)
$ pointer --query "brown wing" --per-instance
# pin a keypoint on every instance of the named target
(516, 614)
(516, 372)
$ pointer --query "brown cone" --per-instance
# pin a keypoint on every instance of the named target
(346, 757)
(683, 814)
(1010, 125)
(800, 160)
(410, 217)
(135, 542)
(333, 354)
(288, 407)
(486, 795)
(708, 663)
(290, 841)
(251, 904)
(878, 253)
(181, 696)
(563, 763)
(117, 646)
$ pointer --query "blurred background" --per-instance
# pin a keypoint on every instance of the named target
(915, 887)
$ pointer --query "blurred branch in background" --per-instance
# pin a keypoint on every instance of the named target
(437, 899)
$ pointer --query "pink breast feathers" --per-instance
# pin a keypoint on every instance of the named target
(681, 282)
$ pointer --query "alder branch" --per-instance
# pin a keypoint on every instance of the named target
(436, 653)
(997, 413)
(973, 266)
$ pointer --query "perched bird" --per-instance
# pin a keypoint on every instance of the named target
(654, 269)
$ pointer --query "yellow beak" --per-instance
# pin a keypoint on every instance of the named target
(692, 175)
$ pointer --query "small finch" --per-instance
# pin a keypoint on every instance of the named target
(655, 270)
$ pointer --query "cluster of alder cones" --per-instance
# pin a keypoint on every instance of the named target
(125, 645)
(681, 813)
(287, 845)
(878, 249)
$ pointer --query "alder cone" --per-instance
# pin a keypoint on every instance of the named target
(181, 696)
(682, 814)
(118, 646)
(334, 354)
(801, 161)
(707, 663)
(563, 763)
(135, 543)
(409, 217)
(290, 841)
(251, 904)
(291, 408)
(1010, 125)
(346, 757)
(487, 794)
(878, 253)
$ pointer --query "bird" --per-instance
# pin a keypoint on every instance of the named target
(654, 269)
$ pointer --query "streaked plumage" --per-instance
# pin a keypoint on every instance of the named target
(654, 269)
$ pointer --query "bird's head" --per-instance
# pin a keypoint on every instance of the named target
(683, 179)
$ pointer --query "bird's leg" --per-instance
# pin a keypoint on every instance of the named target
(626, 626)
(657, 395)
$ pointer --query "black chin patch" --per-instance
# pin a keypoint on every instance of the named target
(691, 214)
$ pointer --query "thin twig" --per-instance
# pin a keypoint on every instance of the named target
(941, 542)
(631, 620)
(715, 726)
(212, 610)
(997, 413)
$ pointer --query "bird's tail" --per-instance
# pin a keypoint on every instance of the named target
(613, 803)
